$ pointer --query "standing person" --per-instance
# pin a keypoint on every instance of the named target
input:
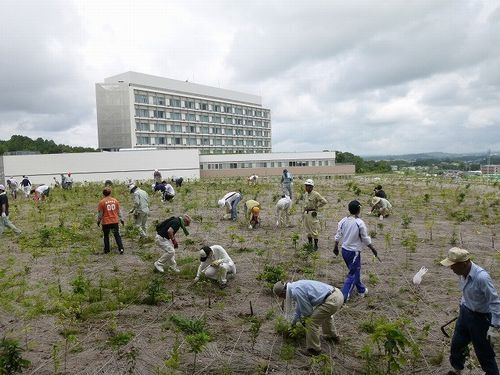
(381, 207)
(252, 211)
(40, 192)
(13, 186)
(157, 176)
(165, 238)
(4, 208)
(178, 180)
(216, 264)
(109, 214)
(287, 183)
(314, 300)
(479, 318)
(378, 192)
(140, 209)
(26, 186)
(352, 230)
(230, 201)
(282, 210)
(312, 202)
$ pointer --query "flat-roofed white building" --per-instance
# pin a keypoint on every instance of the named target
(136, 110)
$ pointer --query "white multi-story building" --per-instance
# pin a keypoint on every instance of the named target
(136, 110)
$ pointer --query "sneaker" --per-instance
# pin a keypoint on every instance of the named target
(120, 251)
(310, 352)
(363, 295)
(159, 268)
(176, 270)
(106, 251)
(381, 217)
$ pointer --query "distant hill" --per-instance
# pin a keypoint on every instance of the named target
(22, 144)
(434, 156)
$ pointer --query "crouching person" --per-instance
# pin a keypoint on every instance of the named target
(215, 264)
(165, 238)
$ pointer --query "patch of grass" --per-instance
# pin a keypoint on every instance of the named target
(120, 339)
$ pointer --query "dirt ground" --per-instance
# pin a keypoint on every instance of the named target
(75, 310)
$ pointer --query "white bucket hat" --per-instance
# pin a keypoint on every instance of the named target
(309, 182)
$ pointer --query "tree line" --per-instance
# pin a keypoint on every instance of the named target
(20, 143)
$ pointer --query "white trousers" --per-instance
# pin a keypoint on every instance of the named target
(220, 273)
(168, 257)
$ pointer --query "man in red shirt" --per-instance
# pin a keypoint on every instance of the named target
(109, 213)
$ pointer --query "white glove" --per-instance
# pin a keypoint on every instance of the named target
(493, 335)
(4, 214)
(417, 279)
(196, 279)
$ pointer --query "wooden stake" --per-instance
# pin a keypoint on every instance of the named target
(209, 303)
(251, 309)
(172, 296)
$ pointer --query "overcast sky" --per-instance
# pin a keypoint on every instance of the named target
(368, 77)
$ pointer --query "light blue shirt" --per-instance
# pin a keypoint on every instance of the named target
(307, 294)
(479, 294)
(353, 232)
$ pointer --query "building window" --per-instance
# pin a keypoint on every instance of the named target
(228, 131)
(233, 165)
(249, 122)
(228, 109)
(161, 140)
(216, 119)
(229, 142)
(189, 104)
(203, 106)
(159, 100)
(204, 130)
(192, 141)
(176, 128)
(177, 141)
(259, 143)
(191, 117)
(238, 111)
(191, 129)
(258, 123)
(205, 142)
(204, 118)
(158, 114)
(161, 127)
(216, 131)
(140, 98)
(258, 113)
(141, 112)
(239, 121)
(175, 103)
(239, 131)
(175, 116)
(143, 140)
(228, 120)
(143, 126)
(216, 108)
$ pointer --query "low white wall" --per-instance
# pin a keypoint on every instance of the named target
(101, 166)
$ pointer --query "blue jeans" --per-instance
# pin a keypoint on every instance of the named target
(472, 327)
(234, 208)
(353, 261)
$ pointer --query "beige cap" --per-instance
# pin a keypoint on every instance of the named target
(455, 255)
(309, 182)
(375, 200)
(278, 288)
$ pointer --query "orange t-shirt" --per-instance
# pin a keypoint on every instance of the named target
(110, 209)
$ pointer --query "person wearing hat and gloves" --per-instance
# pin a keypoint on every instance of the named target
(381, 207)
(353, 233)
(140, 209)
(13, 186)
(287, 183)
(312, 202)
(282, 210)
(479, 317)
(109, 214)
(252, 210)
(230, 201)
(26, 186)
(314, 300)
(178, 181)
(215, 264)
(4, 209)
(157, 176)
(165, 238)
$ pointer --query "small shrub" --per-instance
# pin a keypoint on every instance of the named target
(272, 274)
(11, 360)
(120, 339)
(405, 221)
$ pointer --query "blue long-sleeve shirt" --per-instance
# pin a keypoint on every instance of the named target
(479, 294)
(307, 294)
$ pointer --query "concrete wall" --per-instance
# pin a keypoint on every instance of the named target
(338, 169)
(101, 166)
(114, 114)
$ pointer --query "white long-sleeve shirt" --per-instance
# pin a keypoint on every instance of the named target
(218, 254)
(353, 232)
(230, 197)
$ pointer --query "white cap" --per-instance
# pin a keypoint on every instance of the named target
(156, 170)
(309, 182)
(131, 186)
(2, 187)
(221, 202)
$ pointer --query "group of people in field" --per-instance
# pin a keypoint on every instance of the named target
(310, 302)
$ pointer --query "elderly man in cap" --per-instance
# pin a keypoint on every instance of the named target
(314, 300)
(157, 176)
(312, 202)
(140, 209)
(4, 209)
(165, 238)
(230, 201)
(287, 183)
(381, 207)
(109, 214)
(479, 318)
(216, 264)
(352, 230)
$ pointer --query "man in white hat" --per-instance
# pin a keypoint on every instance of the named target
(312, 202)
(479, 318)
(26, 186)
(4, 209)
(314, 300)
(13, 186)
(230, 202)
(216, 264)
(140, 209)
(381, 207)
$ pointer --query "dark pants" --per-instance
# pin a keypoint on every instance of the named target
(116, 232)
(178, 182)
(353, 261)
(472, 327)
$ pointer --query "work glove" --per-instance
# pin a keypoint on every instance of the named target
(4, 214)
(336, 250)
(196, 279)
(122, 222)
(98, 223)
(174, 242)
(216, 263)
(493, 335)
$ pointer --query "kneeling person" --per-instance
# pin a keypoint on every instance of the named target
(215, 263)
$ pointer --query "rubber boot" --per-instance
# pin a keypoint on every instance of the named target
(315, 244)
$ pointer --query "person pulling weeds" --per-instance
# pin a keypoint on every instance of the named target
(165, 238)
